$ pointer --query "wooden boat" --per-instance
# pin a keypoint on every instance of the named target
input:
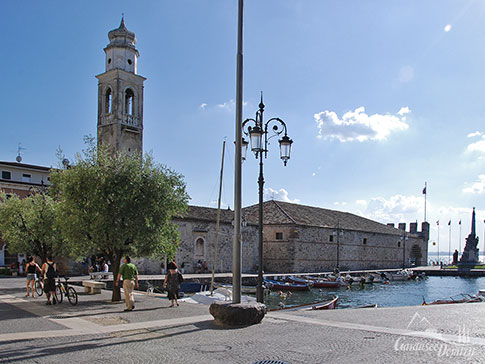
(330, 305)
(325, 282)
(297, 280)
(322, 305)
(328, 284)
(285, 286)
(399, 276)
(462, 298)
(367, 306)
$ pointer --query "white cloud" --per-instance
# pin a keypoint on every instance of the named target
(447, 28)
(399, 208)
(314, 174)
(396, 208)
(357, 125)
(474, 134)
(279, 195)
(406, 74)
(477, 187)
(477, 146)
(229, 105)
(404, 110)
(340, 203)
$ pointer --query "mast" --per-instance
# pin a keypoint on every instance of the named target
(218, 221)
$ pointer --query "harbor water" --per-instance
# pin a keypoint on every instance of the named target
(397, 293)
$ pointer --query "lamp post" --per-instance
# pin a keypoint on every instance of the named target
(337, 233)
(258, 136)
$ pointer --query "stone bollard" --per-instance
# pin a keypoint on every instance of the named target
(238, 314)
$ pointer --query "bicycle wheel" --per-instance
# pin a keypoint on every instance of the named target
(58, 293)
(38, 288)
(72, 296)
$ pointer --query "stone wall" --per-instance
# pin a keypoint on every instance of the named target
(313, 249)
(189, 253)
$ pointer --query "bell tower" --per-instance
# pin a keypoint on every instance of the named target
(120, 95)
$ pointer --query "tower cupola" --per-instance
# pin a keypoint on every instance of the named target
(121, 52)
(120, 95)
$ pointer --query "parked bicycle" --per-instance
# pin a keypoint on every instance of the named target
(63, 289)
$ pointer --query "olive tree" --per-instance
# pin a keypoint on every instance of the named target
(30, 225)
(119, 204)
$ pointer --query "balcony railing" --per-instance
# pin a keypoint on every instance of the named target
(129, 120)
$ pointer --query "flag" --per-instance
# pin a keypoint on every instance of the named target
(424, 190)
(449, 222)
(438, 223)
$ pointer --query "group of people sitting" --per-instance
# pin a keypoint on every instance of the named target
(98, 264)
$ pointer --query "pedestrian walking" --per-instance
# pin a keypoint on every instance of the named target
(31, 269)
(172, 281)
(129, 273)
(49, 271)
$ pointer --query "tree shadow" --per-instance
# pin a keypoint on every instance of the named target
(31, 348)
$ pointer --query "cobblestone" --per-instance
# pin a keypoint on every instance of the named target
(187, 336)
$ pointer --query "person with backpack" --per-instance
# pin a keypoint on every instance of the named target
(49, 271)
(172, 281)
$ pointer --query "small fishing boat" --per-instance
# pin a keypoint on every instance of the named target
(285, 286)
(329, 284)
(367, 306)
(402, 275)
(318, 283)
(461, 298)
(297, 280)
(322, 305)
(330, 305)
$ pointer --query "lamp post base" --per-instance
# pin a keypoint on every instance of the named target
(239, 314)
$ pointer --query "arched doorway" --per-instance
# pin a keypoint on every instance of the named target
(416, 255)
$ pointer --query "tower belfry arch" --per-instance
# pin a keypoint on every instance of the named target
(120, 95)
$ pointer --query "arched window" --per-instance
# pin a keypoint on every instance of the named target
(199, 247)
(129, 102)
(108, 100)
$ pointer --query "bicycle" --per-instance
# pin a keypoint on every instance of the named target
(62, 288)
(39, 286)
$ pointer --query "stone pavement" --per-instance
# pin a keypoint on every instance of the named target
(97, 331)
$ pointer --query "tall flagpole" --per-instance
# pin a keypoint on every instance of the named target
(460, 237)
(449, 243)
(236, 244)
(438, 223)
(425, 192)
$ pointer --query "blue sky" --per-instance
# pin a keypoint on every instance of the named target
(378, 96)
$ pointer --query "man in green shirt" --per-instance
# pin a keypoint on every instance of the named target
(129, 273)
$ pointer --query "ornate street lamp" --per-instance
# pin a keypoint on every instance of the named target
(258, 137)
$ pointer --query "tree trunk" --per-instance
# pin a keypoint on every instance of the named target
(115, 258)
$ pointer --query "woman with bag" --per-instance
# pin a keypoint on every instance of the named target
(172, 281)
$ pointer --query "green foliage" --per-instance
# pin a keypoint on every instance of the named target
(29, 225)
(119, 204)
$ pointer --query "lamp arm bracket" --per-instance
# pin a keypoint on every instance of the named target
(246, 128)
